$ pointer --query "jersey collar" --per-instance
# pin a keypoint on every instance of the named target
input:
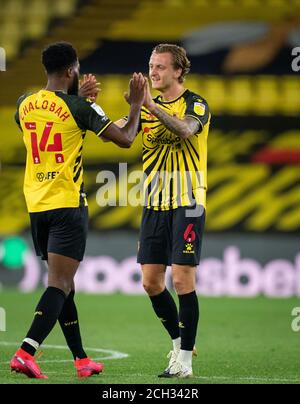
(159, 98)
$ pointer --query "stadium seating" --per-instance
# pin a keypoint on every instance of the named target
(38, 22)
(28, 20)
(86, 27)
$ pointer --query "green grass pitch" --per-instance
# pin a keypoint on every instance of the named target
(239, 341)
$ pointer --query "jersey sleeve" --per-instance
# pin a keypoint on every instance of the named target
(197, 108)
(90, 116)
(17, 114)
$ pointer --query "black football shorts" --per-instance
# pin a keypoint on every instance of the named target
(60, 231)
(171, 236)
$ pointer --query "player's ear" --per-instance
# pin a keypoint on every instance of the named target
(70, 72)
(178, 73)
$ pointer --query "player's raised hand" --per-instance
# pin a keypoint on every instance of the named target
(89, 87)
(136, 92)
(148, 101)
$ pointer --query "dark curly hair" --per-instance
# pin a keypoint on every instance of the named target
(180, 60)
(59, 56)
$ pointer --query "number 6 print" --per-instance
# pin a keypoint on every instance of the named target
(189, 234)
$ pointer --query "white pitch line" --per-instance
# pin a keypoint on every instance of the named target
(121, 355)
(233, 378)
(249, 379)
(110, 354)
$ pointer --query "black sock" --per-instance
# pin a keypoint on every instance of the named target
(188, 317)
(45, 317)
(68, 320)
(166, 310)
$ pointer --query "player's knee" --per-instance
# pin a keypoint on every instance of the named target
(63, 284)
(181, 286)
(153, 288)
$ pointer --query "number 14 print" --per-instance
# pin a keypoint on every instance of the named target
(56, 146)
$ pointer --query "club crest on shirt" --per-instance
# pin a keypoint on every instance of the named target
(199, 108)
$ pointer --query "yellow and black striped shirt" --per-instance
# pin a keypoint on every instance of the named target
(54, 126)
(175, 169)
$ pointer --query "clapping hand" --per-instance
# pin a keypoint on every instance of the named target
(89, 87)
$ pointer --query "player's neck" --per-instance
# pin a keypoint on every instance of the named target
(57, 85)
(172, 93)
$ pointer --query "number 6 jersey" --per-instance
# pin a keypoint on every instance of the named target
(54, 126)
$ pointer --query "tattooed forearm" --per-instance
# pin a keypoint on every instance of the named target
(183, 128)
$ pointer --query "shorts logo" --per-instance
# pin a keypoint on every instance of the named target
(189, 248)
(190, 237)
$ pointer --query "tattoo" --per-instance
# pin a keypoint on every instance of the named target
(179, 127)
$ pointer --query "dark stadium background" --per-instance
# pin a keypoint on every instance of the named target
(244, 65)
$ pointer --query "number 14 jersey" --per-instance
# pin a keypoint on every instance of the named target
(54, 125)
